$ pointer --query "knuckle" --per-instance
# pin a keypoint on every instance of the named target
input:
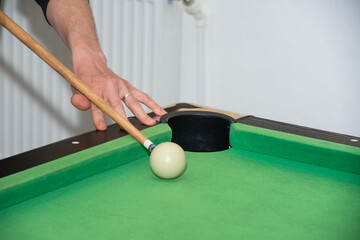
(132, 103)
(126, 82)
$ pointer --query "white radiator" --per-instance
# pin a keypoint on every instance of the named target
(35, 101)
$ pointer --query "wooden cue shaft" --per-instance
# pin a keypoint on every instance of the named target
(53, 62)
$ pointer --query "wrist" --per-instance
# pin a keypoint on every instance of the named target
(86, 59)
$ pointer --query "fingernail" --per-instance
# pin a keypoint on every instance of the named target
(150, 121)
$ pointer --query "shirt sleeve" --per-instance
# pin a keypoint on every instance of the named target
(43, 4)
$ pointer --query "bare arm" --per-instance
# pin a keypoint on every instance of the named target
(73, 21)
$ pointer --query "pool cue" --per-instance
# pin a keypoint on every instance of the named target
(66, 73)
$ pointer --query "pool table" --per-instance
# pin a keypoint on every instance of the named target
(246, 178)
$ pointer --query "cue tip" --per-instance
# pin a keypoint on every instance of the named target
(151, 147)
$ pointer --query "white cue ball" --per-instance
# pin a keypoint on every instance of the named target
(168, 160)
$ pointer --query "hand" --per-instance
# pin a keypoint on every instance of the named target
(90, 67)
(74, 23)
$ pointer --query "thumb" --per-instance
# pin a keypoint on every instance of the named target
(80, 102)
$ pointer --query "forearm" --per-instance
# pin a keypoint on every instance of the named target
(74, 22)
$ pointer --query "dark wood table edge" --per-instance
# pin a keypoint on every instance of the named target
(50, 152)
(300, 130)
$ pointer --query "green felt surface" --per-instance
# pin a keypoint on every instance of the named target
(233, 194)
(75, 167)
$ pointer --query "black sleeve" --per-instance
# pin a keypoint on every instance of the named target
(43, 4)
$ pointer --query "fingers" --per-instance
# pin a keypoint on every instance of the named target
(115, 102)
(133, 104)
(112, 89)
(150, 103)
(98, 118)
(157, 118)
(146, 99)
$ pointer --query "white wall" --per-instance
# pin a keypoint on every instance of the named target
(296, 61)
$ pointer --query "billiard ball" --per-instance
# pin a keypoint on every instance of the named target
(168, 160)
